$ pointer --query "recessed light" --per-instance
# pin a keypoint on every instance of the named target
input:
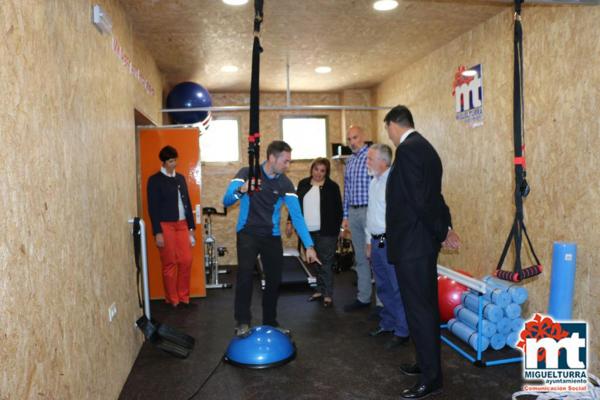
(469, 72)
(323, 69)
(229, 68)
(235, 2)
(385, 5)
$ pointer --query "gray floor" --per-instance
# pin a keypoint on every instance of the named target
(336, 359)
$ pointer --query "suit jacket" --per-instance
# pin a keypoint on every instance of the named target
(417, 217)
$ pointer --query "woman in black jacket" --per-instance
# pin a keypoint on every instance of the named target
(321, 204)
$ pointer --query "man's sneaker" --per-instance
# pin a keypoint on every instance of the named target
(242, 330)
(285, 331)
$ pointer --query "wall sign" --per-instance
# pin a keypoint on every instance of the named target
(467, 90)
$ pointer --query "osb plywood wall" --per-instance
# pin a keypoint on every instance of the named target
(68, 189)
(216, 176)
(562, 125)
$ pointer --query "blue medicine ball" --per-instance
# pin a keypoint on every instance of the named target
(188, 95)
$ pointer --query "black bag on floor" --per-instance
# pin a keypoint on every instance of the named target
(169, 340)
(344, 255)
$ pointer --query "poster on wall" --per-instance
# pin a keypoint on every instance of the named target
(467, 90)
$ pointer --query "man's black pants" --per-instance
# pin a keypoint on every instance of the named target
(271, 255)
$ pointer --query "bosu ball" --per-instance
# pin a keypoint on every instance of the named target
(263, 347)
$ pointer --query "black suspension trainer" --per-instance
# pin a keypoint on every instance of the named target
(254, 134)
(522, 189)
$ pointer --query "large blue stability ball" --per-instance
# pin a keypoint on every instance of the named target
(188, 95)
(263, 347)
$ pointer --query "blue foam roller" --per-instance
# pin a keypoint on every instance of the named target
(467, 334)
(512, 339)
(516, 325)
(518, 293)
(562, 283)
(512, 311)
(490, 311)
(503, 326)
(497, 296)
(470, 319)
(498, 341)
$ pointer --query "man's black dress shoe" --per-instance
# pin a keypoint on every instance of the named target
(379, 331)
(421, 391)
(356, 305)
(410, 369)
(395, 341)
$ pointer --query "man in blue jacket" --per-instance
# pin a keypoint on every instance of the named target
(258, 232)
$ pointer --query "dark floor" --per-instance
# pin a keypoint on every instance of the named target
(336, 359)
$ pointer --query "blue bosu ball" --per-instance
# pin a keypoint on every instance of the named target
(188, 95)
(263, 347)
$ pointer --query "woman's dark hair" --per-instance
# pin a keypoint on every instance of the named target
(166, 153)
(321, 161)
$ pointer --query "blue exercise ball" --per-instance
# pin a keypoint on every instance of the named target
(189, 95)
(263, 347)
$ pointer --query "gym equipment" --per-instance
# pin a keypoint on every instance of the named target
(263, 347)
(293, 270)
(522, 187)
(464, 338)
(212, 252)
(449, 297)
(167, 339)
(471, 319)
(517, 293)
(497, 296)
(189, 95)
(490, 311)
(469, 335)
(562, 283)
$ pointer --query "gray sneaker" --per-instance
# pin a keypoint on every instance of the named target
(242, 330)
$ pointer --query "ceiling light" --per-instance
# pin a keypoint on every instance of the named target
(385, 5)
(323, 70)
(235, 2)
(469, 72)
(229, 68)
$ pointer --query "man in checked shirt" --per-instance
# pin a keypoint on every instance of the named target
(356, 198)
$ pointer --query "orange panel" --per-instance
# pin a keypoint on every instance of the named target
(185, 140)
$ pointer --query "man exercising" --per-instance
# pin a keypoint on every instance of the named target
(258, 232)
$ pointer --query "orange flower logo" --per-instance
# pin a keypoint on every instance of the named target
(539, 328)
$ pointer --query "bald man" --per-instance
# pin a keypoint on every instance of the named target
(356, 199)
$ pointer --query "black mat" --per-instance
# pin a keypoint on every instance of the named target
(336, 359)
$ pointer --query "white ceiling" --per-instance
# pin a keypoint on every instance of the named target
(193, 39)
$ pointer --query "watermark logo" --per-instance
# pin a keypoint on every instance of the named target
(555, 354)
(467, 90)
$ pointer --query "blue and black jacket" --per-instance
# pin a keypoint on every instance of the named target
(260, 213)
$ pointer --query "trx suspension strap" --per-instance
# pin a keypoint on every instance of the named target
(254, 134)
(521, 187)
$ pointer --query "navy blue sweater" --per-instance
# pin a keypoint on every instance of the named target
(162, 200)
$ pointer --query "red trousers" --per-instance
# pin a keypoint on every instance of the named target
(176, 258)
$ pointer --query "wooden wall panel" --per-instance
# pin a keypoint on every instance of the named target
(67, 191)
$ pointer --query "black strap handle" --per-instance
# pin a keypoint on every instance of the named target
(254, 134)
(521, 187)
(137, 251)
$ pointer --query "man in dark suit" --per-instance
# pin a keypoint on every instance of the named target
(418, 223)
